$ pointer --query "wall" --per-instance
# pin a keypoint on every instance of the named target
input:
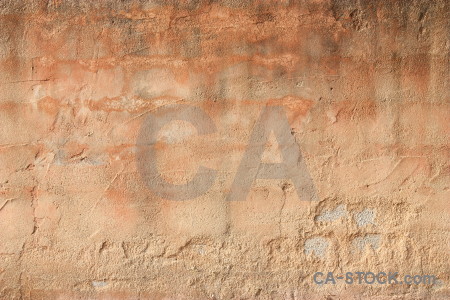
(363, 84)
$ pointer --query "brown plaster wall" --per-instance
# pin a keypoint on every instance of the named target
(364, 85)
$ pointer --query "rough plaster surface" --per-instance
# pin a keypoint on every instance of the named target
(364, 85)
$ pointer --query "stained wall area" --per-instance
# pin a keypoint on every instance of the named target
(364, 86)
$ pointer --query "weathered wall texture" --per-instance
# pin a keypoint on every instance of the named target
(365, 88)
